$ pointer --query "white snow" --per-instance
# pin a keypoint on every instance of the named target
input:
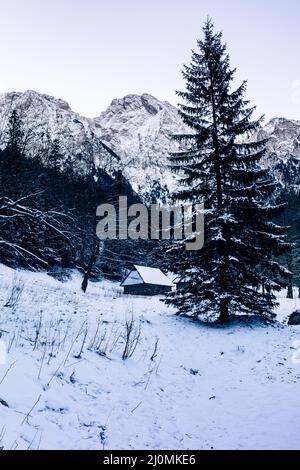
(206, 387)
(147, 275)
(138, 128)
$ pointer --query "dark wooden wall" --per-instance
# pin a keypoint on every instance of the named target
(146, 289)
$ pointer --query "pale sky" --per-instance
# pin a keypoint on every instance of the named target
(88, 52)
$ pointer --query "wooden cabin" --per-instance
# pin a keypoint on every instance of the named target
(142, 280)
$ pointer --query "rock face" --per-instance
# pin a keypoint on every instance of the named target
(294, 318)
(139, 129)
(134, 134)
(45, 119)
(283, 156)
(284, 139)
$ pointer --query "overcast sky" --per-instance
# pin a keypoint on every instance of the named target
(91, 51)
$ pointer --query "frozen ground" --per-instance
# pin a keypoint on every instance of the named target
(221, 388)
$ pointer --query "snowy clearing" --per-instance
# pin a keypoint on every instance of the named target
(65, 385)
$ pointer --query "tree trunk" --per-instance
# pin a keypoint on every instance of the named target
(290, 284)
(224, 311)
(222, 250)
(85, 281)
(89, 267)
(290, 292)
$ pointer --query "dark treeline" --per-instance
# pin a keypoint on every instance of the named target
(291, 218)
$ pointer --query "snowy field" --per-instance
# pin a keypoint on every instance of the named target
(65, 385)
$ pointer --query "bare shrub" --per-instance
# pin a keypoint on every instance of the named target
(2, 434)
(105, 340)
(79, 355)
(132, 337)
(101, 346)
(17, 288)
(154, 354)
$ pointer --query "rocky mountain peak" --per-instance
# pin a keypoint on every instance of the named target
(45, 119)
(139, 128)
(284, 138)
(133, 102)
(30, 98)
(136, 128)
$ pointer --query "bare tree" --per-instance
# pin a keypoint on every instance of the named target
(20, 210)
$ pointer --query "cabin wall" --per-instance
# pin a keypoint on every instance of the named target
(146, 289)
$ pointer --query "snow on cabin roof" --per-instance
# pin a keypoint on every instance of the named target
(153, 276)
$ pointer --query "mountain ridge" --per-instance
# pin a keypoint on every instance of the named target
(134, 135)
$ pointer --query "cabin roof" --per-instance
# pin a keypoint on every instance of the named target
(151, 276)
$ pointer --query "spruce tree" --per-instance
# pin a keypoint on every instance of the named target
(55, 157)
(220, 167)
(16, 138)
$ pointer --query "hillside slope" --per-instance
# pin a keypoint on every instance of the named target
(65, 385)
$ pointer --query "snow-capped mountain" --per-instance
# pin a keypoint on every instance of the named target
(139, 129)
(134, 134)
(46, 119)
(284, 140)
(283, 156)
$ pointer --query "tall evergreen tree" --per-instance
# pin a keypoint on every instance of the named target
(16, 137)
(218, 168)
(55, 157)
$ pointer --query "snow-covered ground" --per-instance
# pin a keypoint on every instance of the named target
(205, 387)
